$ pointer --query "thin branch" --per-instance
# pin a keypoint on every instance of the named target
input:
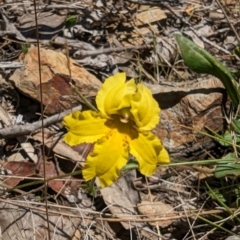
(29, 128)
(82, 53)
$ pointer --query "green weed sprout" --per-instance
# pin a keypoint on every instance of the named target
(71, 21)
(200, 61)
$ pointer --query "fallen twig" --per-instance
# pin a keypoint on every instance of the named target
(11, 64)
(28, 128)
(82, 53)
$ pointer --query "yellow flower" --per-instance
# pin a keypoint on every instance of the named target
(127, 113)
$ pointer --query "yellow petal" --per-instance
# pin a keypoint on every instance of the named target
(163, 157)
(148, 150)
(115, 94)
(145, 109)
(109, 156)
(107, 86)
(86, 126)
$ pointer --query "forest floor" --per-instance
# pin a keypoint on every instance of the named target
(45, 46)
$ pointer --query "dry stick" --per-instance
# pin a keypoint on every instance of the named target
(151, 200)
(11, 65)
(29, 128)
(57, 6)
(42, 110)
(83, 53)
(107, 216)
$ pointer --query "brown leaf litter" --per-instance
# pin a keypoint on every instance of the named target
(102, 32)
(57, 76)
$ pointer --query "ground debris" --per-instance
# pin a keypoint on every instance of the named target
(81, 43)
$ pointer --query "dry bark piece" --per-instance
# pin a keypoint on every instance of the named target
(49, 24)
(55, 79)
(157, 210)
(8, 28)
(198, 106)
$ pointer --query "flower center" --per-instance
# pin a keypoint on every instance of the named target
(124, 114)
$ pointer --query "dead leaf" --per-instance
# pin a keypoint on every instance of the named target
(55, 79)
(27, 222)
(157, 210)
(22, 170)
(190, 9)
(19, 169)
(121, 199)
(149, 15)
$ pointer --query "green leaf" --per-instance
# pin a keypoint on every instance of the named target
(236, 125)
(25, 47)
(71, 20)
(90, 187)
(200, 61)
(228, 166)
(237, 50)
(131, 164)
(226, 139)
(217, 194)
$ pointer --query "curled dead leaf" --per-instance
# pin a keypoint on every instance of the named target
(57, 75)
(23, 170)
(157, 210)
